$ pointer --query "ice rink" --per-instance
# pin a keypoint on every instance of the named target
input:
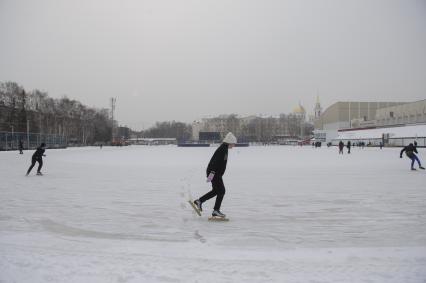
(296, 215)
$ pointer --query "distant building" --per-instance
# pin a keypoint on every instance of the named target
(300, 113)
(388, 136)
(209, 136)
(216, 124)
(408, 113)
(346, 116)
(255, 128)
(152, 141)
(123, 133)
(341, 115)
(317, 109)
(286, 140)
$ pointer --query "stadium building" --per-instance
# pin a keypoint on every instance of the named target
(372, 122)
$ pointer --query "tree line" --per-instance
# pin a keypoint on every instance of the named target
(85, 125)
(171, 129)
(259, 129)
(248, 129)
(46, 115)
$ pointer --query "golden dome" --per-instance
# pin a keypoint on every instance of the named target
(299, 109)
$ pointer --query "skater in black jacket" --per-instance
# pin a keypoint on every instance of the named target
(214, 172)
(410, 151)
(21, 147)
(37, 157)
(341, 146)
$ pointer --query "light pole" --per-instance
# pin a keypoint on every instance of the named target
(113, 101)
(28, 134)
(13, 141)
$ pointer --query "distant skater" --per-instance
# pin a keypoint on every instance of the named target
(37, 157)
(341, 146)
(348, 145)
(21, 147)
(214, 172)
(410, 151)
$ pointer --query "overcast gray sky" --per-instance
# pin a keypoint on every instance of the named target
(182, 60)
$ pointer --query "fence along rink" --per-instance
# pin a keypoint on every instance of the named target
(10, 140)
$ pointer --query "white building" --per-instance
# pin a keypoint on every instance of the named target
(348, 115)
(408, 113)
(391, 136)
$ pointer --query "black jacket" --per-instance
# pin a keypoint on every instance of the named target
(38, 154)
(218, 161)
(409, 150)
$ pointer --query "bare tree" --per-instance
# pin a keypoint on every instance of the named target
(47, 115)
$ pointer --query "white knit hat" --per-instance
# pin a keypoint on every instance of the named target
(230, 138)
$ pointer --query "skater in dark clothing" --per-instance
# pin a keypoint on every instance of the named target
(341, 146)
(37, 157)
(410, 151)
(21, 147)
(348, 145)
(214, 172)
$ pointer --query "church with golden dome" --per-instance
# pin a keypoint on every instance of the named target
(300, 111)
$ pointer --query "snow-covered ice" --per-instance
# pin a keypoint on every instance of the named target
(297, 215)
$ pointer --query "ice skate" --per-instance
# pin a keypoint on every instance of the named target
(421, 167)
(413, 169)
(218, 216)
(39, 174)
(217, 213)
(196, 206)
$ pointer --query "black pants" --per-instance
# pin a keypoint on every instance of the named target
(218, 191)
(33, 162)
